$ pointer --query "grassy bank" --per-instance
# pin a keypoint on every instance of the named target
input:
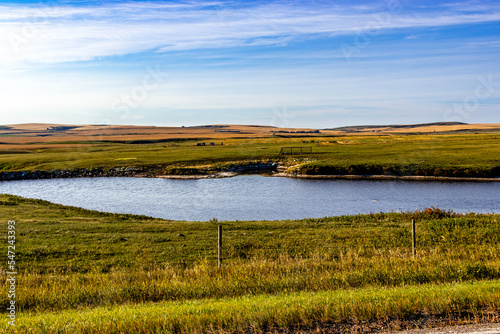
(466, 155)
(261, 313)
(74, 262)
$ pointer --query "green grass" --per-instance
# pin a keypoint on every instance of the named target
(263, 312)
(75, 263)
(469, 155)
(440, 155)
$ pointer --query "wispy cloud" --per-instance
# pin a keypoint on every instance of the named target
(491, 44)
(46, 34)
(237, 60)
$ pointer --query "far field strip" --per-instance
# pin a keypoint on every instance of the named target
(205, 150)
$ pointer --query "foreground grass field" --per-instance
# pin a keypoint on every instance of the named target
(300, 311)
(89, 272)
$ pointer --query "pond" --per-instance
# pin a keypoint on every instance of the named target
(256, 197)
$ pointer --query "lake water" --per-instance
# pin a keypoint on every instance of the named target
(256, 197)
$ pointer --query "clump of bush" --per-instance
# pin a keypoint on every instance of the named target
(183, 171)
(433, 213)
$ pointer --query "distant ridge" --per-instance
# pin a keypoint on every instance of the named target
(396, 126)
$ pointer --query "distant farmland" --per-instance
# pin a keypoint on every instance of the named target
(436, 149)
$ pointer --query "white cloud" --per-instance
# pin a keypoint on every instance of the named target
(65, 34)
(492, 44)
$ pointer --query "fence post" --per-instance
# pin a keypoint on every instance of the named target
(414, 238)
(219, 247)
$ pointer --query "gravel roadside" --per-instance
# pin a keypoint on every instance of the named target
(469, 329)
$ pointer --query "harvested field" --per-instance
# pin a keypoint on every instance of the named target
(23, 134)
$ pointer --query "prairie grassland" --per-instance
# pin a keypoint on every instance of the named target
(90, 272)
(261, 313)
(437, 155)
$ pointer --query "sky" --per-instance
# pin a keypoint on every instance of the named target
(315, 64)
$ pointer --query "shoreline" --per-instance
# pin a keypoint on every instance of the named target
(331, 177)
(141, 173)
(389, 177)
(220, 175)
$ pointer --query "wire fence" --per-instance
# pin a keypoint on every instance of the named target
(247, 243)
(188, 244)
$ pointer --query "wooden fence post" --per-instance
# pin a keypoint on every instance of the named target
(414, 238)
(219, 247)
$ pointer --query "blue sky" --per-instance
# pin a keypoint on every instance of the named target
(312, 64)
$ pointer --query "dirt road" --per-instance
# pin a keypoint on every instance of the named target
(467, 329)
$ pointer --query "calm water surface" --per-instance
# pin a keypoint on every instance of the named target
(255, 197)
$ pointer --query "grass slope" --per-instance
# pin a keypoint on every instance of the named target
(267, 313)
(84, 271)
